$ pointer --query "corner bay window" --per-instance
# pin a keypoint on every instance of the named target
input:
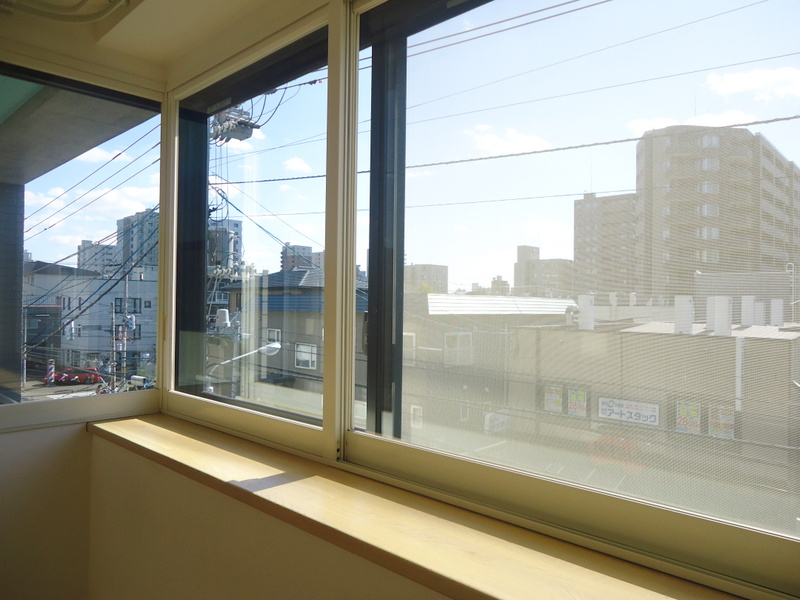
(638, 398)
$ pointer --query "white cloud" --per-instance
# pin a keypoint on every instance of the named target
(297, 164)
(509, 141)
(239, 146)
(97, 155)
(36, 200)
(114, 203)
(766, 83)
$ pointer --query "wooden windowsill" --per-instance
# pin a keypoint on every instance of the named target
(448, 549)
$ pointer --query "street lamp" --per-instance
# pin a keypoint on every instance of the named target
(270, 349)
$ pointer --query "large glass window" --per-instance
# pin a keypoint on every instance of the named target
(79, 185)
(498, 134)
(251, 235)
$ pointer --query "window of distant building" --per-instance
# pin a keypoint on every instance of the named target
(305, 356)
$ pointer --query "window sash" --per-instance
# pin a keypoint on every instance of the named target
(720, 555)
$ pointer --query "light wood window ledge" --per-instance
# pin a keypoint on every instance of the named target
(447, 549)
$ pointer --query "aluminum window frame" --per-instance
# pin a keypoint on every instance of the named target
(733, 558)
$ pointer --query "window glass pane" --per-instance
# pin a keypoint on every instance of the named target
(79, 182)
(585, 238)
(256, 337)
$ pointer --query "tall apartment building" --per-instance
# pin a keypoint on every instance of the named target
(426, 278)
(544, 278)
(712, 200)
(97, 257)
(708, 200)
(137, 239)
(300, 257)
(604, 246)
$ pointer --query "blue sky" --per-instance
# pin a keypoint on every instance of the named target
(533, 87)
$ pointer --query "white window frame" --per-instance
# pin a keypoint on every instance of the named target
(311, 350)
(675, 542)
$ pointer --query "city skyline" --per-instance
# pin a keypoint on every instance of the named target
(519, 109)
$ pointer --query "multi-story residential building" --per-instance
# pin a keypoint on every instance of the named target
(97, 257)
(544, 278)
(426, 278)
(300, 257)
(45, 305)
(137, 238)
(112, 321)
(500, 287)
(716, 200)
(605, 241)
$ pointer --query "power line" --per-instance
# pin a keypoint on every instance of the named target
(91, 201)
(270, 213)
(50, 216)
(83, 309)
(590, 53)
(510, 28)
(465, 32)
(105, 164)
(581, 146)
(118, 253)
(516, 154)
(321, 136)
(603, 88)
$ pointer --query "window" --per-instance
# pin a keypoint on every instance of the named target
(252, 283)
(439, 148)
(305, 356)
(708, 233)
(128, 306)
(709, 187)
(458, 349)
(708, 210)
(83, 163)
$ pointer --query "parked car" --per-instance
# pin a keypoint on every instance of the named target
(75, 376)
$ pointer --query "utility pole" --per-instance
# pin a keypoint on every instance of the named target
(126, 319)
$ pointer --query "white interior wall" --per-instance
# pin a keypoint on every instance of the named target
(44, 513)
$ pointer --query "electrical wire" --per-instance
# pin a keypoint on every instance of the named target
(119, 253)
(602, 88)
(105, 164)
(269, 212)
(582, 146)
(479, 27)
(91, 201)
(477, 37)
(584, 55)
(513, 155)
